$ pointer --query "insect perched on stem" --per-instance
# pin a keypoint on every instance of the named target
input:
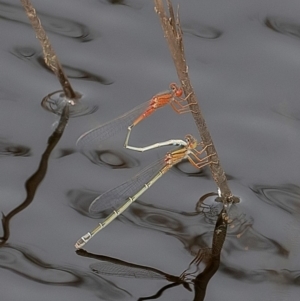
(173, 96)
(121, 197)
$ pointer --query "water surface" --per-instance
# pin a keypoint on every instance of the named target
(244, 63)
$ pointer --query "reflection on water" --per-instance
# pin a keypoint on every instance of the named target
(63, 152)
(291, 277)
(35, 180)
(181, 225)
(207, 206)
(212, 264)
(19, 260)
(243, 70)
(28, 265)
(112, 266)
(285, 197)
(56, 101)
(200, 30)
(109, 158)
(242, 236)
(24, 53)
(11, 149)
(77, 73)
(80, 200)
(207, 259)
(128, 3)
(28, 53)
(174, 223)
(115, 267)
(211, 257)
(283, 26)
(241, 239)
(178, 224)
(60, 26)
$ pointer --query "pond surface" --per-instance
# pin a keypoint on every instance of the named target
(244, 64)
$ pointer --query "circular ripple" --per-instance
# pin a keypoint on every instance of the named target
(285, 197)
(67, 28)
(7, 258)
(62, 26)
(7, 149)
(283, 26)
(108, 158)
(80, 200)
(207, 206)
(129, 3)
(201, 31)
(56, 101)
(24, 53)
(161, 219)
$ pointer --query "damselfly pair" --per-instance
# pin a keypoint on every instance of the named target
(121, 197)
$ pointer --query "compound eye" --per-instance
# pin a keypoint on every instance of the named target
(178, 92)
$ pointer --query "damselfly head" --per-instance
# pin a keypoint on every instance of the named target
(191, 141)
(176, 90)
(168, 158)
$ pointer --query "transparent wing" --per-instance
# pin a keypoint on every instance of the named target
(95, 136)
(115, 197)
(126, 270)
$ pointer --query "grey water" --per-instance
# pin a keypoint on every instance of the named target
(244, 64)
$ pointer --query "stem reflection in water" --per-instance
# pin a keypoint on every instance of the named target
(35, 180)
(209, 256)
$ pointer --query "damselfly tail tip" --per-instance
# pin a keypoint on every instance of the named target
(79, 244)
(83, 240)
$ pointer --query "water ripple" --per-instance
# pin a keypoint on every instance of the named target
(285, 27)
(27, 53)
(80, 200)
(174, 223)
(254, 241)
(10, 149)
(77, 73)
(21, 261)
(61, 26)
(182, 225)
(63, 152)
(18, 262)
(56, 101)
(162, 219)
(109, 158)
(129, 3)
(179, 224)
(242, 236)
(285, 197)
(291, 277)
(201, 31)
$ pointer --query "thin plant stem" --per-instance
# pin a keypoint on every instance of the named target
(50, 56)
(173, 34)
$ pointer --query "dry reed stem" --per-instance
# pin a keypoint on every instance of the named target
(50, 57)
(173, 34)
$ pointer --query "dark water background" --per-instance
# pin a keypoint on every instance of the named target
(244, 63)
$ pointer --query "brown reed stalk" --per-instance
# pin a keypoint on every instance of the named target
(50, 56)
(173, 34)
